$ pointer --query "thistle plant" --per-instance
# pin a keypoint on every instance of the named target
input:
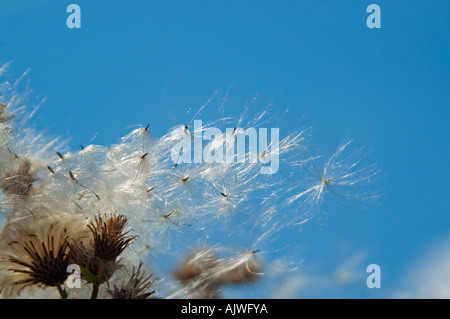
(138, 222)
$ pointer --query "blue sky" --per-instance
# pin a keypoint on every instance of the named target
(139, 62)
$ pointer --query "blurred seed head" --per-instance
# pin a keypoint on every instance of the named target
(204, 274)
(137, 287)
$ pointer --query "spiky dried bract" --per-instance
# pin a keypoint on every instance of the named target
(137, 287)
(108, 236)
(37, 259)
(19, 180)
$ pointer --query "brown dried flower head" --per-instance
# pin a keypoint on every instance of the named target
(40, 260)
(109, 240)
(137, 287)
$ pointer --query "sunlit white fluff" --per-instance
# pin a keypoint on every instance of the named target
(172, 208)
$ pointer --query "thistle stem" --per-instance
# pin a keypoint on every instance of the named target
(62, 292)
(96, 285)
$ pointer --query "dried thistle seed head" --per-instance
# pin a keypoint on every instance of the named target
(137, 287)
(109, 240)
(84, 256)
(37, 259)
(18, 181)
